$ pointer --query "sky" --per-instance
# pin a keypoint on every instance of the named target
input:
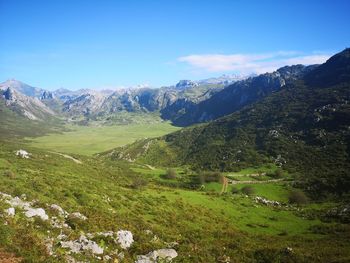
(109, 44)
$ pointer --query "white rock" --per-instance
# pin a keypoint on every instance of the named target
(78, 215)
(23, 154)
(125, 238)
(31, 212)
(160, 254)
(82, 244)
(59, 209)
(10, 211)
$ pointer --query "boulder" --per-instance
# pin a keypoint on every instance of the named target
(39, 212)
(10, 211)
(22, 153)
(78, 215)
(82, 244)
(125, 238)
(165, 254)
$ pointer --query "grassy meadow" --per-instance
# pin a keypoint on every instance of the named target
(88, 140)
(205, 225)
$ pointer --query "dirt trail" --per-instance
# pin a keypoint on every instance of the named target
(150, 167)
(68, 157)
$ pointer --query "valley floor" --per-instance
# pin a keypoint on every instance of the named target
(88, 140)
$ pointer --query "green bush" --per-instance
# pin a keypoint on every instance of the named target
(209, 177)
(297, 197)
(138, 182)
(170, 174)
(248, 190)
(234, 190)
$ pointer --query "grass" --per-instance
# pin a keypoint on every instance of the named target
(243, 211)
(87, 140)
(201, 222)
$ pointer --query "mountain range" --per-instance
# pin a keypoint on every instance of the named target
(185, 103)
(86, 103)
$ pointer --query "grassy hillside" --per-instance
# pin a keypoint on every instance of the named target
(202, 226)
(14, 125)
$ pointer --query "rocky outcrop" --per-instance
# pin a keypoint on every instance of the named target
(82, 244)
(29, 210)
(22, 153)
(163, 255)
(30, 107)
(125, 238)
(185, 84)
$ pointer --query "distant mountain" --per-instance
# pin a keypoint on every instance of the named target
(223, 80)
(30, 107)
(302, 127)
(238, 95)
(25, 89)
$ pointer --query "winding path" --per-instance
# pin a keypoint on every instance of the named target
(68, 157)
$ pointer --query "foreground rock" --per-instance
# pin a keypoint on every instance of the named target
(82, 244)
(28, 208)
(125, 238)
(22, 153)
(262, 200)
(163, 255)
(39, 212)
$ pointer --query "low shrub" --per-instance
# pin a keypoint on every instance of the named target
(138, 182)
(170, 174)
(234, 190)
(297, 197)
(248, 190)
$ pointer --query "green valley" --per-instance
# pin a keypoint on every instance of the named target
(174, 132)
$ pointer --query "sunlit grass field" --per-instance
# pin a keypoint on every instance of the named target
(87, 140)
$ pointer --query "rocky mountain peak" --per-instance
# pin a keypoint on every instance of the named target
(185, 84)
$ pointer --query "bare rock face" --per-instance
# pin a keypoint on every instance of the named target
(31, 107)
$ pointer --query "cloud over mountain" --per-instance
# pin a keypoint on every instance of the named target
(250, 63)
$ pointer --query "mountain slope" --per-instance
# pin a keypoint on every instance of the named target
(30, 107)
(21, 87)
(304, 128)
(240, 94)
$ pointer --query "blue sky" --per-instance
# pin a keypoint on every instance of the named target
(104, 44)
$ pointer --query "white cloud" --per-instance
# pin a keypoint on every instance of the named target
(250, 63)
